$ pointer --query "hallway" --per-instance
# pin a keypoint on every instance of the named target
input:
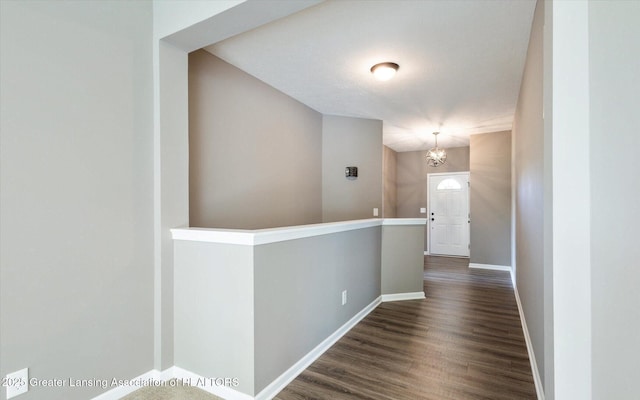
(464, 341)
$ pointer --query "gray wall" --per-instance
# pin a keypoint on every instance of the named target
(490, 198)
(528, 142)
(390, 198)
(402, 259)
(351, 142)
(614, 61)
(255, 153)
(411, 178)
(214, 326)
(76, 259)
(298, 294)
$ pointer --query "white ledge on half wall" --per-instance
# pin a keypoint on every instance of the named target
(254, 237)
(404, 221)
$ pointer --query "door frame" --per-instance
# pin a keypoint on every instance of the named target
(435, 174)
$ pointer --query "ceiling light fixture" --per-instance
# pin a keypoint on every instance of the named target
(384, 71)
(436, 156)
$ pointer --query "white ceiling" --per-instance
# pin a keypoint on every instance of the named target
(461, 63)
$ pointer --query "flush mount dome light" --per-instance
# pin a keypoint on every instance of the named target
(384, 71)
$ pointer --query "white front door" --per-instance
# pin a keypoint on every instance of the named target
(449, 214)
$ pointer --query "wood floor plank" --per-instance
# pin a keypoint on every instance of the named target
(464, 341)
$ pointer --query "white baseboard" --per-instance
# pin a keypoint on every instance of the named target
(289, 375)
(532, 357)
(403, 296)
(283, 380)
(205, 384)
(155, 377)
(167, 374)
(491, 267)
(151, 378)
(527, 338)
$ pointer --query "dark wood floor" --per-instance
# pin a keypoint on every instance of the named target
(464, 341)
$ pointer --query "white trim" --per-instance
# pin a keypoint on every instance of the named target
(491, 267)
(403, 296)
(118, 392)
(426, 253)
(532, 357)
(249, 237)
(167, 374)
(289, 375)
(155, 378)
(448, 256)
(404, 221)
(231, 394)
(270, 235)
(527, 338)
(448, 173)
(264, 236)
(227, 236)
(225, 392)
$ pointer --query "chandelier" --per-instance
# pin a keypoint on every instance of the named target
(436, 156)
